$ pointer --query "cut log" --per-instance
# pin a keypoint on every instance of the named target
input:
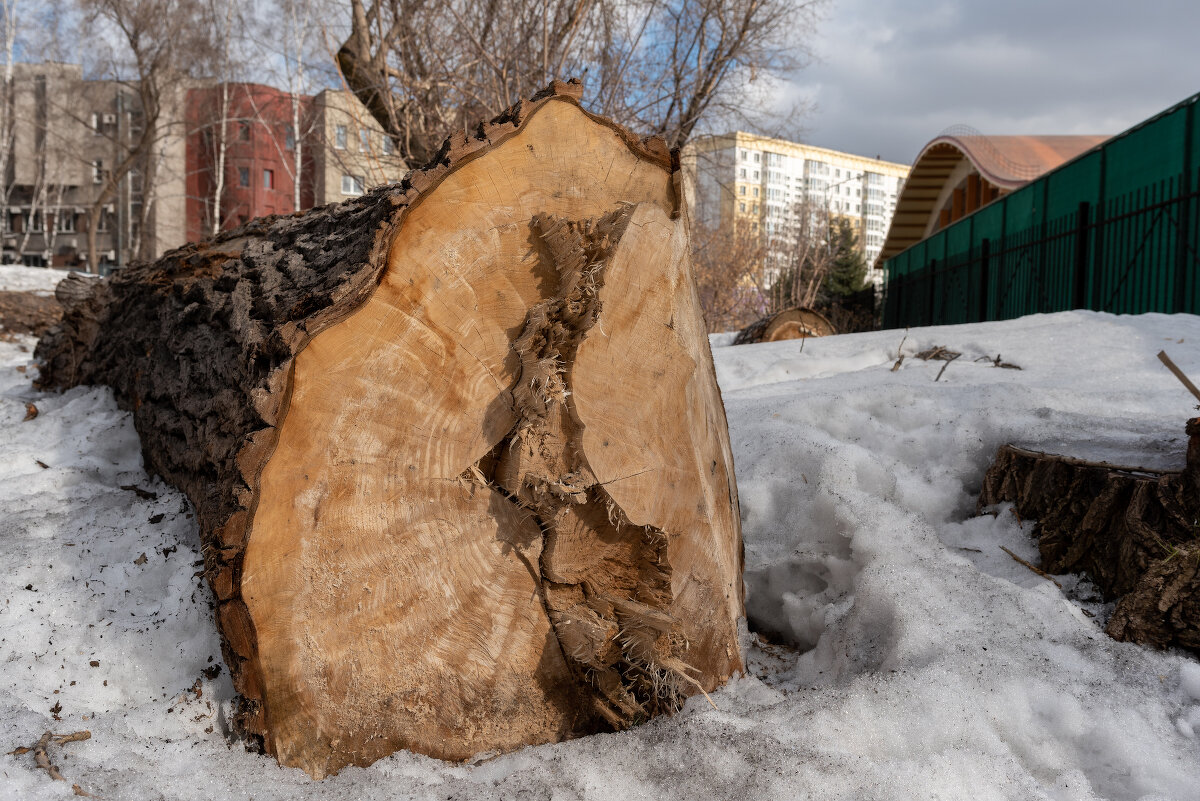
(1133, 531)
(797, 323)
(458, 455)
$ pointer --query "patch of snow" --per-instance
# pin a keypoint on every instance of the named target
(722, 340)
(36, 280)
(923, 662)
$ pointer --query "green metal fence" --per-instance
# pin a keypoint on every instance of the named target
(1117, 229)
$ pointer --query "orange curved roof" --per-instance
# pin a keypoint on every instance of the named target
(1005, 162)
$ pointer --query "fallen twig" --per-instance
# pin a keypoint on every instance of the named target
(41, 755)
(899, 354)
(939, 352)
(997, 363)
(944, 366)
(1165, 359)
(1034, 568)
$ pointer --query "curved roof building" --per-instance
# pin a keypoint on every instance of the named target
(962, 170)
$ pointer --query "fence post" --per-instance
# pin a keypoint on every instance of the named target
(1184, 211)
(932, 290)
(1079, 301)
(985, 285)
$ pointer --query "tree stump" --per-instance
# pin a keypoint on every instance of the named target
(1134, 532)
(460, 463)
(797, 323)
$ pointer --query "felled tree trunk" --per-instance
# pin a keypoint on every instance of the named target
(459, 459)
(1134, 532)
(797, 323)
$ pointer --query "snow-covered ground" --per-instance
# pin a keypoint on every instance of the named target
(927, 662)
(37, 280)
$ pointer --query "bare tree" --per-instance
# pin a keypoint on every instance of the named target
(7, 105)
(800, 254)
(727, 263)
(155, 43)
(425, 68)
(299, 45)
(226, 19)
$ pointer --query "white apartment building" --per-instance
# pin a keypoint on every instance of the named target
(771, 182)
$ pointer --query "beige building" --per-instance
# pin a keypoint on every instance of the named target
(771, 183)
(353, 153)
(67, 135)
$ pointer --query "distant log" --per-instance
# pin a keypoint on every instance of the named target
(460, 462)
(1133, 531)
(27, 313)
(796, 323)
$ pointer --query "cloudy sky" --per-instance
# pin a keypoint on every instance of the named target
(894, 73)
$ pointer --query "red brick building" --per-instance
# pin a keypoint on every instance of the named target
(260, 167)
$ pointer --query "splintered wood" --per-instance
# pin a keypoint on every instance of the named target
(482, 495)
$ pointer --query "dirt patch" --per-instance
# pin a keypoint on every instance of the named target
(27, 313)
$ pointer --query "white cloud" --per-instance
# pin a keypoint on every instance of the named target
(893, 73)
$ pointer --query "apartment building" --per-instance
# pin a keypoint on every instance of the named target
(354, 154)
(67, 133)
(276, 158)
(245, 155)
(771, 183)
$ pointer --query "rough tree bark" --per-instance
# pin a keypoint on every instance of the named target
(459, 459)
(797, 323)
(1135, 532)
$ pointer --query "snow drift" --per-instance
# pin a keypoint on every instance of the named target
(901, 653)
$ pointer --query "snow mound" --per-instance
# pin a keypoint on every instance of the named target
(900, 653)
(36, 280)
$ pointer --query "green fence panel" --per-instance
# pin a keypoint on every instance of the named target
(1117, 229)
(1077, 182)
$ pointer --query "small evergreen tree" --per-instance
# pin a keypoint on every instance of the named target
(849, 271)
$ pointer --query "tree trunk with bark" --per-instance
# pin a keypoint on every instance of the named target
(1134, 532)
(458, 456)
(797, 323)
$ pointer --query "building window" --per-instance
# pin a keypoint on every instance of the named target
(388, 146)
(244, 131)
(289, 138)
(745, 155)
(268, 179)
(741, 190)
(339, 137)
(96, 123)
(742, 173)
(65, 222)
(243, 176)
(98, 171)
(102, 222)
(364, 140)
(741, 207)
(756, 158)
(35, 222)
(352, 185)
(756, 191)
